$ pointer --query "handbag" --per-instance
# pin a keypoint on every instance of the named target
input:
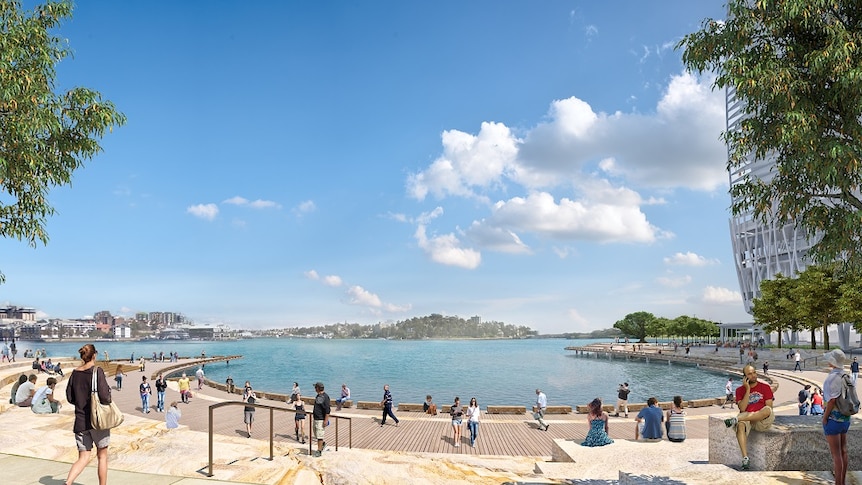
(103, 416)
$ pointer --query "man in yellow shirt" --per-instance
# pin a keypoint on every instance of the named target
(184, 388)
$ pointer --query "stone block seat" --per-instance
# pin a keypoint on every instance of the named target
(506, 410)
(793, 443)
(369, 405)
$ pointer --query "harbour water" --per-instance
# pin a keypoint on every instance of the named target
(499, 372)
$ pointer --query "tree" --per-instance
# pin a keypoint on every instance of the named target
(44, 136)
(775, 310)
(816, 296)
(635, 325)
(797, 67)
(850, 301)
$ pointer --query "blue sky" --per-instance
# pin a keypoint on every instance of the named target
(547, 164)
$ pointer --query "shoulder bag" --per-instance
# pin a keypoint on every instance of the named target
(103, 416)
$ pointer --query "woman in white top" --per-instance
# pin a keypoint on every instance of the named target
(473, 420)
(835, 424)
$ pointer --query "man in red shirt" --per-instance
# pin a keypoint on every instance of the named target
(754, 400)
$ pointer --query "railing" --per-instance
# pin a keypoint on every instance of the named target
(272, 410)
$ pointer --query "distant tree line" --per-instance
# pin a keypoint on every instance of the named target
(434, 326)
(638, 326)
(817, 298)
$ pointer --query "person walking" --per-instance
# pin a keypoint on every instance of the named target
(539, 409)
(199, 374)
(473, 420)
(79, 393)
(728, 393)
(622, 400)
(118, 377)
(766, 367)
(835, 424)
(457, 413)
(798, 358)
(185, 388)
(161, 387)
(298, 417)
(804, 398)
(387, 406)
(146, 392)
(854, 370)
(320, 417)
(228, 384)
(248, 412)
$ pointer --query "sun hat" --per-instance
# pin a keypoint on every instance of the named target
(836, 358)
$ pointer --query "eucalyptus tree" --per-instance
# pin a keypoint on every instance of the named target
(44, 135)
(797, 67)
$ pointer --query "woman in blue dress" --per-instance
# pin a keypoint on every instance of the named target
(598, 421)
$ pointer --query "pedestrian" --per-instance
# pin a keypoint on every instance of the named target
(248, 412)
(766, 367)
(728, 391)
(457, 413)
(228, 384)
(118, 377)
(320, 417)
(622, 400)
(345, 395)
(161, 387)
(473, 420)
(539, 409)
(78, 393)
(247, 390)
(199, 374)
(854, 370)
(804, 398)
(146, 392)
(798, 358)
(172, 417)
(185, 388)
(298, 417)
(142, 363)
(13, 349)
(835, 424)
(387, 406)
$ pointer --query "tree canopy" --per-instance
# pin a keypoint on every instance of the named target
(797, 66)
(44, 136)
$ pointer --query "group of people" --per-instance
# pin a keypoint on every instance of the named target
(40, 400)
(755, 402)
(810, 401)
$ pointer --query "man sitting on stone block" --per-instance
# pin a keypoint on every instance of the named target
(754, 400)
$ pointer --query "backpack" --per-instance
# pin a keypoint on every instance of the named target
(847, 402)
(803, 396)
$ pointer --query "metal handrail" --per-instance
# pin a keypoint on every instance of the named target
(272, 410)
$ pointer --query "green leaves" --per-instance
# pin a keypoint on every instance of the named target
(44, 136)
(797, 66)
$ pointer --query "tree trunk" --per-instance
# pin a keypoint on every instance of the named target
(813, 339)
(825, 336)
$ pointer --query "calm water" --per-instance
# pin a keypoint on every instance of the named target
(502, 372)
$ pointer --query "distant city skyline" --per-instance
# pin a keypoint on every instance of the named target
(546, 164)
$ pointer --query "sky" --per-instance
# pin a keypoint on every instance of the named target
(548, 164)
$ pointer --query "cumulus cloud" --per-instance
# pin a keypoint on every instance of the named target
(689, 259)
(312, 275)
(332, 280)
(361, 296)
(446, 249)
(719, 295)
(358, 295)
(496, 238)
(204, 211)
(305, 207)
(254, 204)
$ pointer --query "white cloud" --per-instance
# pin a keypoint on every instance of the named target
(672, 281)
(255, 204)
(204, 211)
(312, 275)
(360, 296)
(305, 207)
(577, 319)
(447, 250)
(332, 280)
(715, 294)
(689, 259)
(496, 239)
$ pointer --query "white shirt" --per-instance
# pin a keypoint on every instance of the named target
(199, 373)
(541, 400)
(41, 393)
(728, 388)
(473, 414)
(24, 391)
(797, 356)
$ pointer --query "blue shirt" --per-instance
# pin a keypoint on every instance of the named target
(651, 416)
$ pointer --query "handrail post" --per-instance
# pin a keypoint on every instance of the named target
(336, 432)
(210, 473)
(271, 436)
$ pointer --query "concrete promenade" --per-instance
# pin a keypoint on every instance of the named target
(39, 449)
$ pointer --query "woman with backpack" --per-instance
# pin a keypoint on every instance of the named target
(836, 424)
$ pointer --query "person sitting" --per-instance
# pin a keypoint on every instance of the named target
(675, 424)
(429, 407)
(37, 365)
(649, 421)
(172, 417)
(597, 420)
(43, 399)
(21, 380)
(58, 370)
(24, 396)
(754, 399)
(345, 395)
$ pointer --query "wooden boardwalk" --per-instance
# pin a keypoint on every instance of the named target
(503, 435)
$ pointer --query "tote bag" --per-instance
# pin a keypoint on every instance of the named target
(103, 416)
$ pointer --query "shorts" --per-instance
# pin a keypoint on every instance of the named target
(85, 439)
(762, 425)
(248, 417)
(839, 424)
(319, 429)
(456, 422)
(299, 417)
